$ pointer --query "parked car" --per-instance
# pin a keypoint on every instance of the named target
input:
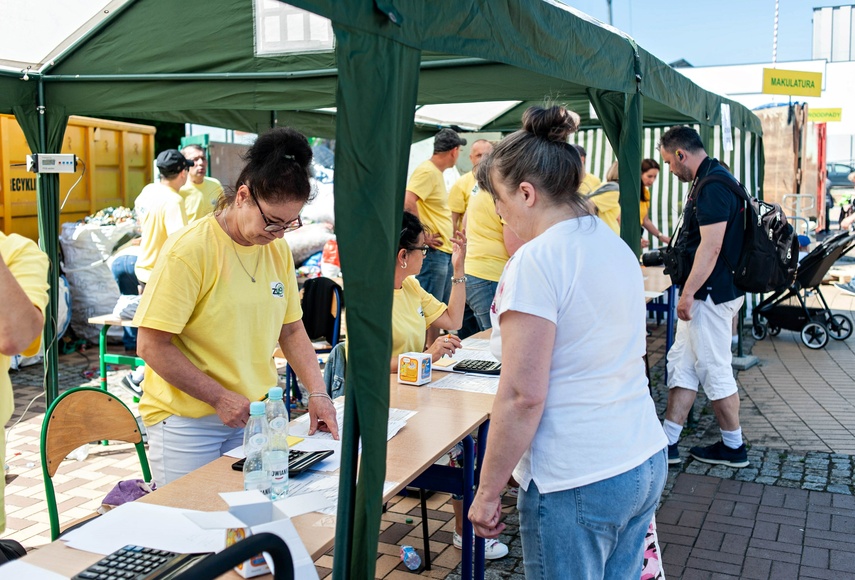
(837, 174)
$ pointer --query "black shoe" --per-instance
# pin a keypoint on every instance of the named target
(674, 455)
(721, 454)
(134, 388)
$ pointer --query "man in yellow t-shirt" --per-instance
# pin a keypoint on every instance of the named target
(491, 243)
(200, 193)
(590, 182)
(23, 292)
(458, 196)
(427, 198)
(160, 210)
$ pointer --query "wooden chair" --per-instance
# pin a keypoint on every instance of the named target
(80, 416)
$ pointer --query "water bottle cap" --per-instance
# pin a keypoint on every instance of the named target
(275, 394)
(256, 408)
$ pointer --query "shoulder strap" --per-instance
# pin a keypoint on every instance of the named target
(728, 181)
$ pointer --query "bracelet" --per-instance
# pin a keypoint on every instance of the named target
(324, 395)
(460, 280)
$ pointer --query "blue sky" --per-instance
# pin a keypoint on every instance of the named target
(707, 33)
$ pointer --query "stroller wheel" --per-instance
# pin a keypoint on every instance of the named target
(814, 335)
(774, 330)
(758, 331)
(840, 327)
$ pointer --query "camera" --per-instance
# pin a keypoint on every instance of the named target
(652, 258)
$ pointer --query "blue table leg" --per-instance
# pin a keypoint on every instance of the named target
(468, 496)
(483, 431)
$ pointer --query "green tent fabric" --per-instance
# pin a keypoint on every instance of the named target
(155, 59)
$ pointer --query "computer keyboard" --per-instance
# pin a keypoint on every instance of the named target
(138, 563)
(484, 367)
(298, 461)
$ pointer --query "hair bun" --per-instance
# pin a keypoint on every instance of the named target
(553, 124)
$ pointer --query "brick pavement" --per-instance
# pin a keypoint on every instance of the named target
(796, 413)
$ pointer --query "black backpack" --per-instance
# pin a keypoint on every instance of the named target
(770, 247)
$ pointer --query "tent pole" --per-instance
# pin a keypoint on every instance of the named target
(47, 187)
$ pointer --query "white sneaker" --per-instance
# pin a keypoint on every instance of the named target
(493, 549)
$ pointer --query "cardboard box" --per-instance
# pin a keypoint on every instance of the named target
(414, 368)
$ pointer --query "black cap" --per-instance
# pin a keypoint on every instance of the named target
(172, 162)
(446, 140)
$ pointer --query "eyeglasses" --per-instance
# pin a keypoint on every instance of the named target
(294, 224)
(424, 249)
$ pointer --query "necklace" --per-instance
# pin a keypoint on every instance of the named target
(234, 247)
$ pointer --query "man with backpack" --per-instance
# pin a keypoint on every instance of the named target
(711, 239)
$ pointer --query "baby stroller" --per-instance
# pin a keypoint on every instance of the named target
(787, 308)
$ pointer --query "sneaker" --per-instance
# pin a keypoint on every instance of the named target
(513, 492)
(134, 388)
(674, 455)
(493, 549)
(848, 287)
(721, 454)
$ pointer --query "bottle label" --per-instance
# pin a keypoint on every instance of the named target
(257, 441)
(279, 424)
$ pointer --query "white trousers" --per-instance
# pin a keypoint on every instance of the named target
(701, 349)
(178, 445)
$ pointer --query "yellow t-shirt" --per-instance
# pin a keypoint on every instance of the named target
(589, 183)
(200, 199)
(643, 209)
(160, 211)
(486, 254)
(29, 266)
(461, 191)
(608, 207)
(225, 324)
(413, 310)
(429, 186)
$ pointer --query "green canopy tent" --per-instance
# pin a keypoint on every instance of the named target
(156, 59)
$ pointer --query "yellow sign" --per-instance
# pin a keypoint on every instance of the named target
(825, 115)
(792, 82)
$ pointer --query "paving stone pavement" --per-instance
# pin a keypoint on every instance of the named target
(789, 514)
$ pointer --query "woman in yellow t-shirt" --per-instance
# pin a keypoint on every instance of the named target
(413, 308)
(649, 173)
(222, 294)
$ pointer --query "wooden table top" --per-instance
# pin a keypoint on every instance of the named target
(444, 417)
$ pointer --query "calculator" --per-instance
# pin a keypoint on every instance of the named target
(138, 563)
(298, 461)
(483, 367)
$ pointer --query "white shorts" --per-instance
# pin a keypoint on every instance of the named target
(701, 350)
(178, 445)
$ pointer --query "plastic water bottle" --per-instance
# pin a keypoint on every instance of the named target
(276, 458)
(255, 440)
(410, 557)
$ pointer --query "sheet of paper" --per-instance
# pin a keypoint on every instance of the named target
(300, 426)
(144, 524)
(214, 520)
(21, 569)
(308, 502)
(652, 294)
(476, 343)
(314, 482)
(468, 382)
(304, 568)
(331, 463)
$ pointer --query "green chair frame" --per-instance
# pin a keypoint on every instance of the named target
(79, 416)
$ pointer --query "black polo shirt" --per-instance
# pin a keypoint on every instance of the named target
(713, 204)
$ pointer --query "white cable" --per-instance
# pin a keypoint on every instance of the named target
(73, 186)
(775, 37)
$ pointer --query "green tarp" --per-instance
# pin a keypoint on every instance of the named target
(160, 59)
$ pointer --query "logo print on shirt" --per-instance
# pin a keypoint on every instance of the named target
(421, 312)
(277, 289)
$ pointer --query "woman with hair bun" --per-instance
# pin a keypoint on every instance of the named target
(222, 294)
(573, 420)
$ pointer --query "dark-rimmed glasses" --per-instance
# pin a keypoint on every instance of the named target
(423, 249)
(294, 224)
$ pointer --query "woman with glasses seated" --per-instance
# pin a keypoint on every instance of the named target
(222, 294)
(413, 308)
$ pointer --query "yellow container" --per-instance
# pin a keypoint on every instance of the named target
(118, 158)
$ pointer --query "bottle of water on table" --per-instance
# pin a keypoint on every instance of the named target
(276, 458)
(255, 441)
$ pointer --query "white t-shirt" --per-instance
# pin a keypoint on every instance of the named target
(599, 419)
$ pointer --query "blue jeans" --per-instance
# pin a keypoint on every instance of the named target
(435, 276)
(123, 272)
(593, 531)
(479, 297)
